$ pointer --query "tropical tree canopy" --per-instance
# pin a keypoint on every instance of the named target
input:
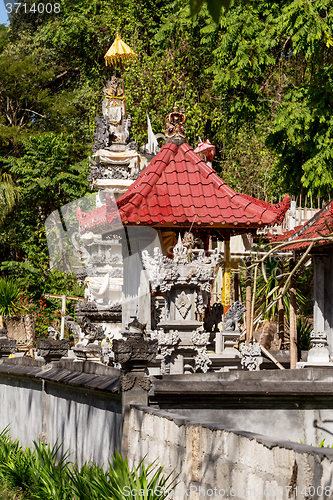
(256, 79)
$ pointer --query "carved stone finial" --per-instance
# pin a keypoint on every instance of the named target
(175, 130)
(135, 352)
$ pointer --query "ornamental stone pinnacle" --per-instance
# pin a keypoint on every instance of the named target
(175, 130)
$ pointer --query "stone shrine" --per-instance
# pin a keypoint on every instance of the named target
(186, 281)
(166, 285)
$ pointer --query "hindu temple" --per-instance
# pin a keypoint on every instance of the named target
(153, 241)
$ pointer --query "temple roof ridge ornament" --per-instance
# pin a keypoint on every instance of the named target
(175, 130)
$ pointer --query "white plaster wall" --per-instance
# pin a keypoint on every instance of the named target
(87, 423)
(21, 408)
(238, 464)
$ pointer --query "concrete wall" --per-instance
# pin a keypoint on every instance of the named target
(238, 464)
(282, 404)
(310, 426)
(21, 408)
(87, 422)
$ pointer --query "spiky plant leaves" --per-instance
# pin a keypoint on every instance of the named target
(8, 195)
(46, 474)
(10, 293)
(17, 468)
(146, 482)
(51, 474)
(82, 481)
(268, 285)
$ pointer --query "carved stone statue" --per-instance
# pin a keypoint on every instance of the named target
(175, 130)
(251, 356)
(233, 317)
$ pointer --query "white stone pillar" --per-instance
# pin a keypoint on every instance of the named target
(319, 294)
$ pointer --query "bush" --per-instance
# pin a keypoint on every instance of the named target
(43, 474)
(10, 294)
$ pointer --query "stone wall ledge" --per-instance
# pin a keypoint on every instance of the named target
(79, 374)
(309, 381)
(270, 443)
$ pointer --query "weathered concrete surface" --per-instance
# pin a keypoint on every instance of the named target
(283, 404)
(214, 461)
(74, 404)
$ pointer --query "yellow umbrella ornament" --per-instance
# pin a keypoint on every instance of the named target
(118, 52)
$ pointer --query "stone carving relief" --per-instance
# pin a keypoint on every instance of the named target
(167, 342)
(251, 356)
(102, 134)
(201, 301)
(200, 340)
(161, 270)
(318, 339)
(183, 304)
(157, 311)
(81, 275)
(164, 273)
(128, 380)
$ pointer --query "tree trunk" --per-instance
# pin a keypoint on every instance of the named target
(293, 321)
(281, 315)
(248, 299)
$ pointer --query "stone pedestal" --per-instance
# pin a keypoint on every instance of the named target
(7, 346)
(52, 350)
(88, 352)
(134, 353)
(319, 354)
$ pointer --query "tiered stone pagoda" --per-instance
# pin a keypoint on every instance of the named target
(178, 202)
(115, 165)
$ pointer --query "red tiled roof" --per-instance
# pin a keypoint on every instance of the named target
(311, 229)
(178, 188)
(101, 218)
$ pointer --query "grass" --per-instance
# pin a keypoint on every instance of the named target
(42, 473)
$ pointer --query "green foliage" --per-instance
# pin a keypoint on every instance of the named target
(304, 329)
(46, 173)
(257, 82)
(8, 195)
(214, 7)
(45, 474)
(10, 293)
(146, 482)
